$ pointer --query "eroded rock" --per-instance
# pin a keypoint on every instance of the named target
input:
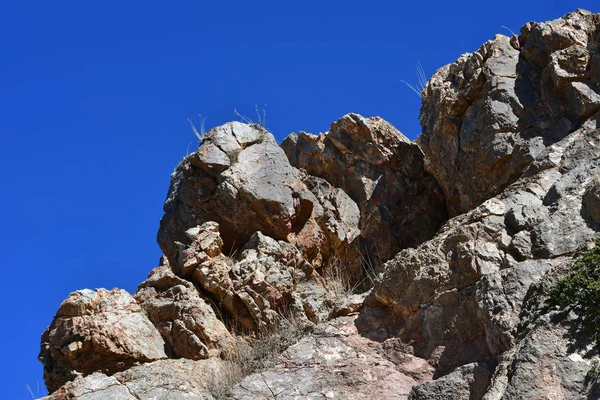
(486, 116)
(461, 297)
(97, 330)
(241, 179)
(185, 320)
(400, 204)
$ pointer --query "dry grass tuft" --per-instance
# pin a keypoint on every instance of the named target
(257, 354)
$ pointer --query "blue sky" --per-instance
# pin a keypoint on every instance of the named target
(95, 97)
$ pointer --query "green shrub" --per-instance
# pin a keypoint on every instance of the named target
(594, 372)
(580, 291)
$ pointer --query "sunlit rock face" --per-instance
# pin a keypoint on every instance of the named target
(489, 114)
(355, 264)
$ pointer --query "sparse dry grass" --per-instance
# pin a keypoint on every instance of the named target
(342, 283)
(258, 354)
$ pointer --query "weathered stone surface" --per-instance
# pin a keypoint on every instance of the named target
(165, 379)
(468, 382)
(262, 278)
(334, 363)
(241, 179)
(97, 330)
(486, 116)
(400, 204)
(186, 321)
(460, 297)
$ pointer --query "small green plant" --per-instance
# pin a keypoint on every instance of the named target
(580, 291)
(593, 375)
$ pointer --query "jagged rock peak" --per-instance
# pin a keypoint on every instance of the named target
(241, 179)
(400, 204)
(486, 116)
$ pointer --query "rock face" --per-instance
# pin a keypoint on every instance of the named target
(257, 238)
(322, 365)
(400, 204)
(467, 294)
(97, 330)
(241, 179)
(486, 116)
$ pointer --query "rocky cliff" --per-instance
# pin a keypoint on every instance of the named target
(356, 264)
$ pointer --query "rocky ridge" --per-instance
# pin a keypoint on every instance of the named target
(450, 245)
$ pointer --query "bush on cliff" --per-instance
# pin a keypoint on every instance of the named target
(580, 291)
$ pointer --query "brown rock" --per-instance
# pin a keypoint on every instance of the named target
(255, 190)
(370, 160)
(97, 330)
(187, 322)
(263, 278)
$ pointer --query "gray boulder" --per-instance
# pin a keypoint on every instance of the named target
(241, 179)
(486, 116)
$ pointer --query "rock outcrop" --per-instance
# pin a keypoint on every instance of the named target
(457, 239)
(400, 204)
(97, 330)
(241, 179)
(487, 116)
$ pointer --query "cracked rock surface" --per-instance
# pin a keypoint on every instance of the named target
(407, 270)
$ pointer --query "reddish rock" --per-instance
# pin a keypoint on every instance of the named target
(97, 330)
(400, 204)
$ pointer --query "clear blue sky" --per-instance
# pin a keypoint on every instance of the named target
(95, 97)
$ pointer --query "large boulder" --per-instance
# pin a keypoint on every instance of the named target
(400, 204)
(486, 116)
(97, 330)
(241, 179)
